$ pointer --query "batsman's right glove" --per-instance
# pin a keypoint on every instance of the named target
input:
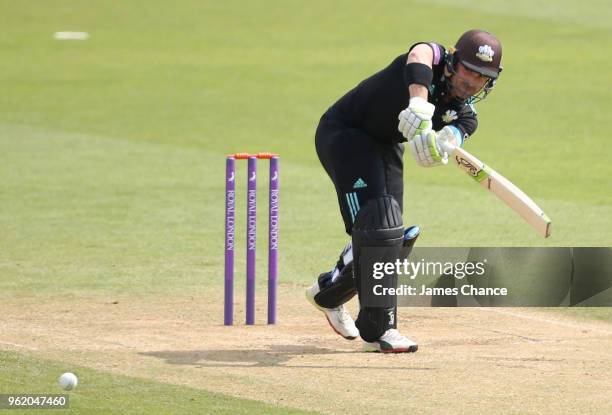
(432, 148)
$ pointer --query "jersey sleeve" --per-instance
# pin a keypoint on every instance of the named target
(438, 52)
(467, 121)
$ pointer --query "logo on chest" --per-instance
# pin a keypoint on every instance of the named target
(449, 116)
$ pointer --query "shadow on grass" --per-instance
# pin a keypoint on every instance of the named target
(286, 356)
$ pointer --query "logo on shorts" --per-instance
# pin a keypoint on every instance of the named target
(360, 184)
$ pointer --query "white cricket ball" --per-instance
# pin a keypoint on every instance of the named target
(68, 381)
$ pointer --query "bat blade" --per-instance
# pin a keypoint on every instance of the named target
(504, 189)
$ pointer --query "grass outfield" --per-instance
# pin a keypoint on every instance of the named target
(112, 149)
(102, 393)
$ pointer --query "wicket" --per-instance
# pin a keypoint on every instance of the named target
(251, 237)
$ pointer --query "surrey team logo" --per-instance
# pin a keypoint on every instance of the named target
(449, 116)
(485, 53)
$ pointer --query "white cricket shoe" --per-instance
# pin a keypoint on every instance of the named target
(391, 342)
(338, 318)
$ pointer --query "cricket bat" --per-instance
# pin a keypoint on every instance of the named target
(501, 187)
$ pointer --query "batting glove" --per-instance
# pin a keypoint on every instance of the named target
(431, 149)
(415, 119)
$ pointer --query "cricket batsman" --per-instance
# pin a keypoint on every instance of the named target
(425, 97)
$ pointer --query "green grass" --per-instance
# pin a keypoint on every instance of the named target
(112, 149)
(105, 393)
